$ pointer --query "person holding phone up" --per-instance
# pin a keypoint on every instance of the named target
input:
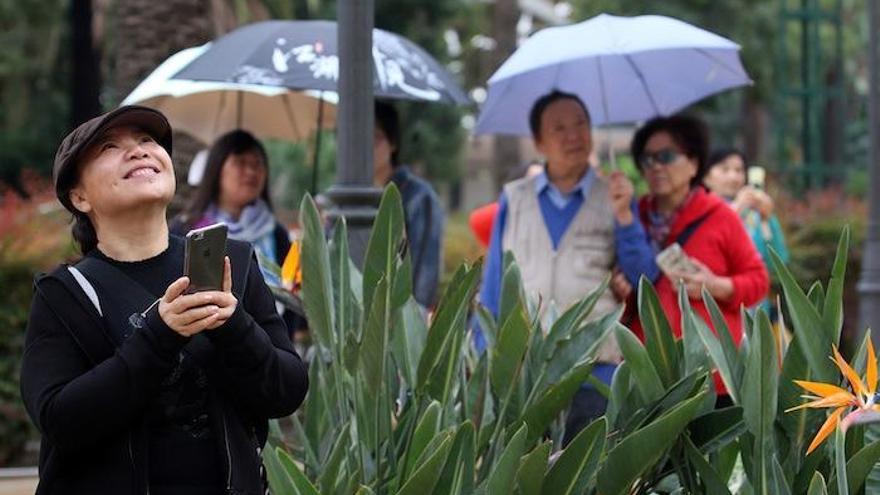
(726, 177)
(137, 385)
(671, 153)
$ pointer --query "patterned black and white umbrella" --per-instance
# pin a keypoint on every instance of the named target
(303, 55)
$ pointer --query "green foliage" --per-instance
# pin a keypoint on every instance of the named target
(16, 278)
(33, 85)
(404, 413)
(398, 413)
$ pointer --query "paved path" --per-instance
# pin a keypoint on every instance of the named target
(18, 481)
(19, 486)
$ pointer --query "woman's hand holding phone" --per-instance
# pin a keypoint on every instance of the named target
(190, 314)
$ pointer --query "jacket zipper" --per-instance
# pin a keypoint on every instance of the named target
(228, 454)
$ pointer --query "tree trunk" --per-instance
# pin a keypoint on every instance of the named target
(85, 83)
(506, 148)
(148, 32)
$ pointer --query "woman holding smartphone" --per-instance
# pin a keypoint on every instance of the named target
(136, 385)
(235, 190)
(716, 253)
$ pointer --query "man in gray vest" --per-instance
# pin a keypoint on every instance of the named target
(560, 228)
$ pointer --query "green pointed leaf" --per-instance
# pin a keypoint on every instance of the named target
(816, 294)
(506, 357)
(725, 339)
(659, 340)
(583, 343)
(427, 473)
(800, 425)
(571, 320)
(317, 286)
(817, 485)
(813, 340)
(532, 467)
(364, 490)
(695, 356)
(426, 429)
(374, 348)
(556, 399)
(279, 480)
(577, 465)
(779, 480)
(448, 322)
(384, 246)
(640, 364)
(760, 397)
(329, 477)
(458, 474)
(712, 481)
(408, 342)
(716, 429)
(503, 475)
(301, 484)
(832, 313)
(858, 467)
(720, 357)
(347, 316)
(638, 452)
(487, 325)
(621, 390)
(511, 288)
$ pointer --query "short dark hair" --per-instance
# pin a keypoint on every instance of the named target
(208, 191)
(689, 133)
(389, 121)
(718, 155)
(545, 101)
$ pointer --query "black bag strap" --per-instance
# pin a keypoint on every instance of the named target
(96, 345)
(692, 227)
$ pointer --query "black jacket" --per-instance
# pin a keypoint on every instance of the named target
(87, 395)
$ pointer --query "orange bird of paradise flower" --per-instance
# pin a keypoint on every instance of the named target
(291, 269)
(827, 395)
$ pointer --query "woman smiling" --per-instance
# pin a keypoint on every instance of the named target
(135, 385)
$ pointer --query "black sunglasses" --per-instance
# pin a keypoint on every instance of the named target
(665, 157)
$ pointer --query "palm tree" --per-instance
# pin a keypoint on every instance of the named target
(149, 31)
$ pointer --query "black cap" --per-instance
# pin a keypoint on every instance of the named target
(63, 172)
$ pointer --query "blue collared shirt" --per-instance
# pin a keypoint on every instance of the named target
(557, 197)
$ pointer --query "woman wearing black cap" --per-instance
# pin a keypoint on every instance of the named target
(136, 386)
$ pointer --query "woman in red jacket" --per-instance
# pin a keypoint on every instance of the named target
(671, 153)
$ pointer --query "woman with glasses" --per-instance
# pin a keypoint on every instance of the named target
(715, 251)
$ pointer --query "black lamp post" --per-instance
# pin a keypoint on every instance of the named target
(353, 194)
(869, 283)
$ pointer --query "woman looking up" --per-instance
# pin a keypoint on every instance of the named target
(136, 385)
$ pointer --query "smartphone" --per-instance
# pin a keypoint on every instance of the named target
(756, 177)
(203, 257)
(674, 260)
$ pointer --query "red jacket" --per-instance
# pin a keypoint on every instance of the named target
(722, 244)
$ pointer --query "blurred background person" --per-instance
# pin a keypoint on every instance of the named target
(234, 189)
(559, 226)
(424, 216)
(672, 154)
(727, 177)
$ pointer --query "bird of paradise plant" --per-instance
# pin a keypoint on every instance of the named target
(862, 398)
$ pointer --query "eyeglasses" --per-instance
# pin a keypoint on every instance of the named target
(665, 157)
